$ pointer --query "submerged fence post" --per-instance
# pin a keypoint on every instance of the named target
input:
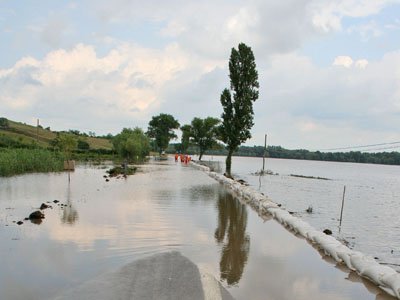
(341, 210)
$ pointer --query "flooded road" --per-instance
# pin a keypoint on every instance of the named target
(166, 206)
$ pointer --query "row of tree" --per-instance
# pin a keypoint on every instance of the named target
(236, 120)
(232, 130)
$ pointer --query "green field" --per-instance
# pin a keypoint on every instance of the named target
(30, 135)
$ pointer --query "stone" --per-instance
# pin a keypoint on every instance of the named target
(44, 206)
(327, 231)
(36, 215)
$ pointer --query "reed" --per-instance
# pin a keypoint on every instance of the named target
(18, 161)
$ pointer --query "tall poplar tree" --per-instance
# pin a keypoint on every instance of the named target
(237, 103)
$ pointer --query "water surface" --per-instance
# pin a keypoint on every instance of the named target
(165, 206)
(372, 199)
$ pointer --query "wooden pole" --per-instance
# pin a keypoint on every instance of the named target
(37, 131)
(265, 149)
(341, 210)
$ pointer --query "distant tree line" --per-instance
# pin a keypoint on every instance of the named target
(386, 158)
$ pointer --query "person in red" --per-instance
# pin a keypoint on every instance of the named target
(186, 159)
(182, 158)
(176, 157)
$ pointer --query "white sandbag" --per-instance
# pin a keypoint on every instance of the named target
(375, 273)
(344, 254)
(313, 235)
(393, 283)
(361, 262)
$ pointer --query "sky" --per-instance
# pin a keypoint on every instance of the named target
(329, 70)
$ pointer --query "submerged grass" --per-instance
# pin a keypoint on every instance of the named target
(18, 161)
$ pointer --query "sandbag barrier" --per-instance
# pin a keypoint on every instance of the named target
(366, 266)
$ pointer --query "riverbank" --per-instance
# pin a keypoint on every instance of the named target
(365, 266)
(166, 206)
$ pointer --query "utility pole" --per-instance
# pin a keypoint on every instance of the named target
(265, 149)
(341, 210)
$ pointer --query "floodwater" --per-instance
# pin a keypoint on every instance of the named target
(370, 221)
(166, 206)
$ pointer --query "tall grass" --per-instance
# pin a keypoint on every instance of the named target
(18, 161)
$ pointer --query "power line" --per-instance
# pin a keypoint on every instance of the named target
(385, 148)
(363, 146)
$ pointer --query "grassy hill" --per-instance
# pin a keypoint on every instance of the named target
(28, 135)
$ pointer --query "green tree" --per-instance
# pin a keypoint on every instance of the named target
(204, 133)
(132, 144)
(83, 145)
(185, 140)
(67, 143)
(237, 117)
(4, 123)
(161, 129)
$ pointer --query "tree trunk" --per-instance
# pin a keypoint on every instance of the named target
(201, 154)
(228, 164)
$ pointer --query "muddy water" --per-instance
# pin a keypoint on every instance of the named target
(166, 206)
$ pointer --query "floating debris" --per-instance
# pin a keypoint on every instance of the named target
(309, 209)
(309, 177)
(264, 172)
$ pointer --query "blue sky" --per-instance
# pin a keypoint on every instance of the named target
(328, 70)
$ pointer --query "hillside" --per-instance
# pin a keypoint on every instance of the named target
(27, 134)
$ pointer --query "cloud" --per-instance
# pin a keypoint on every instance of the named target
(327, 15)
(77, 84)
(345, 61)
(361, 63)
(340, 103)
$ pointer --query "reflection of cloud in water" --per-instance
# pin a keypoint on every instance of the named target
(310, 288)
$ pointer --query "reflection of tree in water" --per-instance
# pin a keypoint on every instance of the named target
(232, 222)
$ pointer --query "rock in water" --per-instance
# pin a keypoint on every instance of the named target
(327, 231)
(36, 215)
(44, 206)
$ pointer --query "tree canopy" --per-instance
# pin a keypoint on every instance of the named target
(4, 123)
(132, 144)
(161, 129)
(237, 116)
(185, 139)
(204, 133)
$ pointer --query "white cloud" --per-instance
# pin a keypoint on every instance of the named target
(327, 15)
(361, 63)
(346, 105)
(343, 60)
(77, 84)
